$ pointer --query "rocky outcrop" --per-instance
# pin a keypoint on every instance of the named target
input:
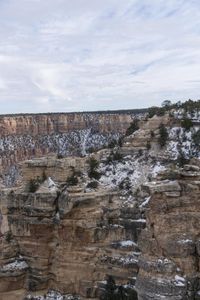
(65, 238)
(169, 265)
(58, 169)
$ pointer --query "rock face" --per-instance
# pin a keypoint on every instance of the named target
(169, 265)
(65, 239)
(51, 166)
(41, 124)
(26, 136)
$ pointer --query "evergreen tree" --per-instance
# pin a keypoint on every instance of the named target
(110, 289)
(133, 127)
(163, 135)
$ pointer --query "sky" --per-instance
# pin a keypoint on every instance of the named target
(64, 55)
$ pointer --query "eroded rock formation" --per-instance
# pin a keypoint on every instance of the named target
(69, 237)
(169, 265)
(65, 239)
(27, 136)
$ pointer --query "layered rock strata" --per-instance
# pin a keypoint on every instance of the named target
(169, 265)
(27, 136)
(66, 239)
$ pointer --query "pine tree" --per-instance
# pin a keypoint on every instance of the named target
(163, 135)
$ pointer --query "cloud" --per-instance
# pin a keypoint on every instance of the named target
(60, 55)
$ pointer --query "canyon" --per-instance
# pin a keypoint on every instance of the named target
(27, 136)
(129, 212)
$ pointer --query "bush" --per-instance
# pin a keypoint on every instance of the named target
(114, 156)
(94, 174)
(93, 166)
(92, 185)
(72, 180)
(166, 104)
(33, 185)
(154, 110)
(163, 135)
(112, 144)
(120, 142)
(186, 123)
(182, 160)
(117, 156)
(134, 126)
(117, 292)
(91, 150)
(140, 153)
(60, 156)
(196, 139)
(93, 163)
(109, 293)
(125, 184)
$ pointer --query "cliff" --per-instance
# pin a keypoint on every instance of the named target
(74, 221)
(27, 136)
(44, 124)
(169, 265)
(66, 239)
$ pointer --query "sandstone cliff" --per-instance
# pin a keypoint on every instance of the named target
(27, 136)
(65, 238)
(69, 237)
(169, 265)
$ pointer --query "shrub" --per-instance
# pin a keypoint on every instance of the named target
(166, 103)
(60, 156)
(133, 127)
(72, 180)
(117, 156)
(196, 139)
(92, 185)
(109, 293)
(91, 150)
(182, 160)
(94, 174)
(125, 184)
(114, 156)
(186, 123)
(93, 166)
(117, 292)
(154, 110)
(120, 142)
(112, 144)
(93, 163)
(140, 152)
(33, 185)
(163, 135)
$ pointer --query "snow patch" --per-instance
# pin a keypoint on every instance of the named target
(16, 265)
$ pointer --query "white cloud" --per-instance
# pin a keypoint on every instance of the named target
(61, 55)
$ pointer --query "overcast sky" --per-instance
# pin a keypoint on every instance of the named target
(74, 55)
